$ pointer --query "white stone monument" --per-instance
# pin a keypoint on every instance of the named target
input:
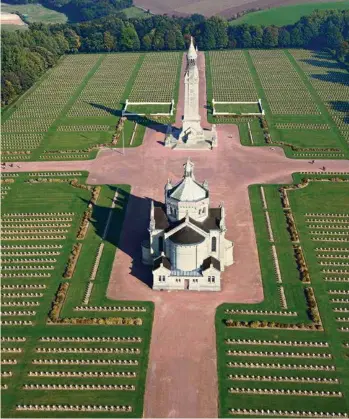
(192, 135)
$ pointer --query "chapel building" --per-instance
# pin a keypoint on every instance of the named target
(187, 248)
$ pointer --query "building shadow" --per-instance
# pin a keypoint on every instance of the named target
(127, 230)
(145, 120)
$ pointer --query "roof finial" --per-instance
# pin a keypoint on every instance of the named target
(192, 51)
(187, 216)
(189, 168)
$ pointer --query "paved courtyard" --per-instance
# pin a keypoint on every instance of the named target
(182, 376)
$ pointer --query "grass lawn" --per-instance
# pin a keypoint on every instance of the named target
(49, 255)
(135, 12)
(238, 108)
(12, 28)
(149, 109)
(318, 198)
(35, 13)
(287, 15)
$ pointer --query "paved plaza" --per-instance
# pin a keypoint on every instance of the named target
(182, 374)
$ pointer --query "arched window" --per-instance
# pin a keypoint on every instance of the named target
(161, 244)
(214, 244)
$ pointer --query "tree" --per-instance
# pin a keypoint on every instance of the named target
(270, 37)
(129, 39)
(284, 38)
(109, 41)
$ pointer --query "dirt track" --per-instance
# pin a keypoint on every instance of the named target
(226, 8)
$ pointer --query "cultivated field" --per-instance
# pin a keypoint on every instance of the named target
(303, 95)
(226, 8)
(288, 15)
(79, 105)
(290, 352)
(65, 347)
(35, 13)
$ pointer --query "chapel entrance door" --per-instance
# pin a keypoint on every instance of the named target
(186, 284)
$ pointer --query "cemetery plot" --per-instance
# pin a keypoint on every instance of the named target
(231, 78)
(295, 115)
(291, 361)
(331, 83)
(157, 79)
(283, 87)
(89, 361)
(102, 95)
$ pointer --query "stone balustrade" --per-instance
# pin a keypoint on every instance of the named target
(271, 378)
(73, 408)
(277, 343)
(84, 339)
(279, 354)
(89, 350)
(82, 387)
(287, 413)
(82, 374)
(85, 362)
(277, 366)
(284, 392)
(111, 308)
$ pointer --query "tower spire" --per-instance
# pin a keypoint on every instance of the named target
(189, 168)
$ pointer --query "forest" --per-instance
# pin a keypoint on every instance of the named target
(26, 55)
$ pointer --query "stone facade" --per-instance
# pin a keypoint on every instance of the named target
(192, 135)
(187, 247)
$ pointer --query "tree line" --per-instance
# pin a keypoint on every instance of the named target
(26, 55)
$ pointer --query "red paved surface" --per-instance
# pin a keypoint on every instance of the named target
(182, 377)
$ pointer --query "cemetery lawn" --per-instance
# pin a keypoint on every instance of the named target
(39, 245)
(287, 15)
(317, 199)
(83, 98)
(238, 108)
(303, 95)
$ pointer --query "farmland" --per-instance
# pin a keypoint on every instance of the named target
(287, 15)
(55, 270)
(303, 95)
(35, 13)
(289, 352)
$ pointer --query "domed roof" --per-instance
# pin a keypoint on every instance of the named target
(188, 190)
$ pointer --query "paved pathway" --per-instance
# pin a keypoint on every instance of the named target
(182, 376)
